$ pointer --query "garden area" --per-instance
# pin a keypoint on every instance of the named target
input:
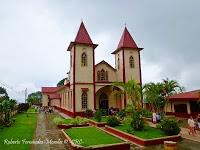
(22, 129)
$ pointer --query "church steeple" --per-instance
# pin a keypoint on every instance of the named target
(126, 41)
(82, 37)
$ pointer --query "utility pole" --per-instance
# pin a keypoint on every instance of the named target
(25, 94)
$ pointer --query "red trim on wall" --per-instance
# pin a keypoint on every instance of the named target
(74, 70)
(124, 77)
(140, 76)
(94, 80)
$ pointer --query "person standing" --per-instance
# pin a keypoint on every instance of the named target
(191, 126)
(154, 117)
(198, 121)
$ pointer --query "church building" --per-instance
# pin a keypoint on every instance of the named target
(90, 85)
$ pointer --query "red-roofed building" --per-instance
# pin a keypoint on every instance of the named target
(184, 104)
(89, 86)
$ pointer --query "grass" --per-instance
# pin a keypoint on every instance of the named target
(103, 119)
(23, 128)
(67, 121)
(89, 136)
(147, 133)
(32, 110)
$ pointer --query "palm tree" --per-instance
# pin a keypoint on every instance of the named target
(170, 87)
(153, 94)
(133, 91)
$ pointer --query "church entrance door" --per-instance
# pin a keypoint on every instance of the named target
(103, 101)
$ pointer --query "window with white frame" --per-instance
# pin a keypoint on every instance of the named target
(84, 100)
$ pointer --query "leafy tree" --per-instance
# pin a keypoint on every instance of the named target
(61, 82)
(3, 94)
(34, 98)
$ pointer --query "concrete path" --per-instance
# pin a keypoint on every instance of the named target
(48, 132)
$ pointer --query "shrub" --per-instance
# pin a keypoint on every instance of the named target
(170, 126)
(121, 114)
(137, 122)
(78, 121)
(113, 121)
(146, 113)
(98, 115)
(104, 112)
(58, 120)
(23, 107)
(88, 113)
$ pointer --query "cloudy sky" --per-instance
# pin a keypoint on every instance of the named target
(34, 35)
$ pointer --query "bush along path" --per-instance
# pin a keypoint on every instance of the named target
(48, 132)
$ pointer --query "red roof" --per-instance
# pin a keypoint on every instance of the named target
(54, 96)
(192, 95)
(49, 89)
(126, 41)
(82, 37)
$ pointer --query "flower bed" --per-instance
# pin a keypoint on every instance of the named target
(93, 138)
(140, 141)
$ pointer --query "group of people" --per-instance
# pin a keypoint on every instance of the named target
(193, 125)
(156, 118)
(46, 109)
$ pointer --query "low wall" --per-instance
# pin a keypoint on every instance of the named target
(140, 141)
(67, 126)
(98, 124)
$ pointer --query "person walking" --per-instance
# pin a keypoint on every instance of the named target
(191, 126)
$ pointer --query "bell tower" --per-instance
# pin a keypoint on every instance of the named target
(127, 59)
(82, 71)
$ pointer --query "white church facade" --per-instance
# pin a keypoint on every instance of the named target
(89, 85)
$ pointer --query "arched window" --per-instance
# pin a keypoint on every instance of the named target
(102, 74)
(131, 62)
(84, 59)
(106, 75)
(84, 100)
(98, 75)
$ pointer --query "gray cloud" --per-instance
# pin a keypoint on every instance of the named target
(35, 34)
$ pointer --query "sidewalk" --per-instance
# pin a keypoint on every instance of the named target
(184, 133)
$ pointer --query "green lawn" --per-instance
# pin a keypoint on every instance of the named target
(23, 128)
(67, 121)
(147, 133)
(32, 110)
(103, 119)
(89, 136)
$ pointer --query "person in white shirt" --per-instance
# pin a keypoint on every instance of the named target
(191, 126)
(154, 117)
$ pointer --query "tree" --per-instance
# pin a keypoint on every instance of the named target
(133, 91)
(61, 82)
(157, 94)
(34, 98)
(3, 94)
(154, 96)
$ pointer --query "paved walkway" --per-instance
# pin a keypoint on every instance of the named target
(184, 133)
(47, 131)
